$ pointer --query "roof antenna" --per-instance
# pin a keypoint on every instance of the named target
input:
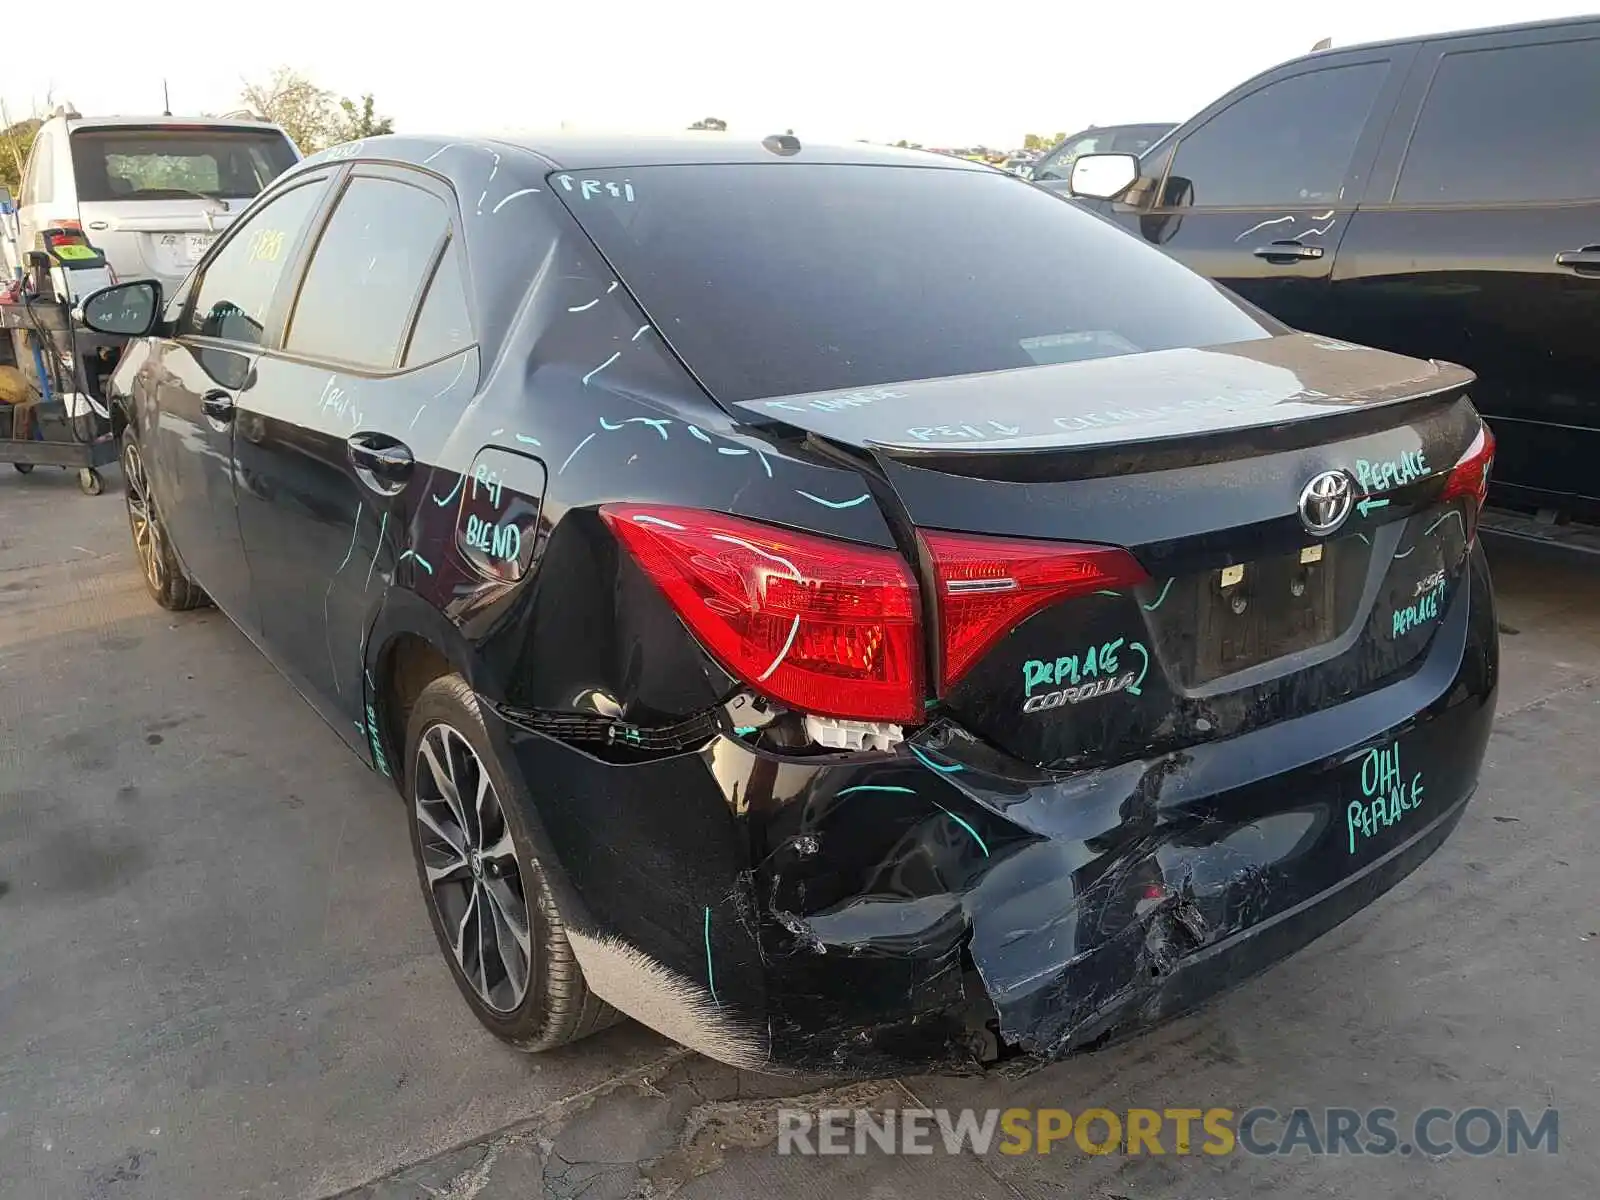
(1323, 44)
(166, 100)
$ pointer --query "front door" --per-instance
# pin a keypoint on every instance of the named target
(187, 441)
(203, 375)
(1256, 194)
(328, 481)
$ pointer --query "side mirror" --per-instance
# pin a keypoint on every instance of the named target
(1103, 176)
(124, 309)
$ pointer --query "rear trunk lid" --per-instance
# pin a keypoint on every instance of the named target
(1197, 462)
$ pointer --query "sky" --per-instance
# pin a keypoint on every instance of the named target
(958, 74)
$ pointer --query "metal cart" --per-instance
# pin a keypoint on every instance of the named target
(62, 419)
(64, 425)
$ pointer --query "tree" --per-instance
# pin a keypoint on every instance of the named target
(716, 123)
(311, 115)
(363, 121)
(15, 142)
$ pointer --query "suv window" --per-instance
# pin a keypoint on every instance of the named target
(1288, 143)
(1508, 124)
(442, 325)
(235, 291)
(1058, 163)
(366, 273)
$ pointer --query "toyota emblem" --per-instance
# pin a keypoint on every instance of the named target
(1326, 502)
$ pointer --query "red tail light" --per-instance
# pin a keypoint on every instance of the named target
(826, 627)
(1469, 478)
(988, 586)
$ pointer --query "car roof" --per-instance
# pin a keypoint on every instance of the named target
(1446, 35)
(592, 151)
(174, 122)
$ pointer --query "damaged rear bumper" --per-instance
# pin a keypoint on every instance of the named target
(865, 914)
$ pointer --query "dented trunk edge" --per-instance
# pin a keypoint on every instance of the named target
(867, 913)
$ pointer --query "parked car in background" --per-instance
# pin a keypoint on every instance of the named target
(1437, 196)
(151, 193)
(1055, 167)
(836, 655)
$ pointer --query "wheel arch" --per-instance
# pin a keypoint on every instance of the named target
(411, 644)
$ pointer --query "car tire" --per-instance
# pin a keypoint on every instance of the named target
(165, 579)
(480, 864)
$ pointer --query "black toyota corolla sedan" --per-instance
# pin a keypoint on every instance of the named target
(844, 608)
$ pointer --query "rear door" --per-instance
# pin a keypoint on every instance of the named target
(1479, 242)
(153, 198)
(1256, 191)
(329, 478)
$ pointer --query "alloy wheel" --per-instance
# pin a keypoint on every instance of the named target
(141, 517)
(470, 865)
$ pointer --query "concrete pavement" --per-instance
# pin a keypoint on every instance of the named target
(217, 978)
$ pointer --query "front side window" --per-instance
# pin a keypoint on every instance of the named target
(235, 292)
(167, 163)
(1058, 163)
(366, 274)
(775, 279)
(1506, 125)
(1285, 145)
(1138, 139)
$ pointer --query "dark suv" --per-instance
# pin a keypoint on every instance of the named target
(1438, 196)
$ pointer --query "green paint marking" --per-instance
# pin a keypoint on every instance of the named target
(1160, 598)
(945, 768)
(1133, 688)
(1366, 506)
(975, 835)
(711, 976)
(878, 787)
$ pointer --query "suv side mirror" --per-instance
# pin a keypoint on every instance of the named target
(1103, 176)
(124, 309)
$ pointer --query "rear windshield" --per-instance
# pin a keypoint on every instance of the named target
(166, 164)
(792, 277)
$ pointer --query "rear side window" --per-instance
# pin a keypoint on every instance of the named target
(235, 293)
(1287, 144)
(773, 279)
(164, 163)
(442, 326)
(1506, 125)
(367, 273)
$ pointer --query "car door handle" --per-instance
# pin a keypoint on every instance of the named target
(1585, 261)
(218, 406)
(387, 462)
(1287, 252)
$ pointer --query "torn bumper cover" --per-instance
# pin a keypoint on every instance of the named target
(866, 913)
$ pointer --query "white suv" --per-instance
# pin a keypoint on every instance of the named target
(151, 193)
